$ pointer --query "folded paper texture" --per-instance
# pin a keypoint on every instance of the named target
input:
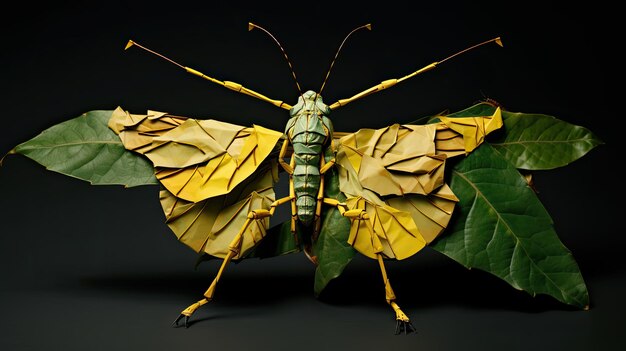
(385, 193)
(474, 129)
(195, 159)
(409, 159)
(396, 236)
(389, 182)
(210, 225)
(431, 213)
(396, 174)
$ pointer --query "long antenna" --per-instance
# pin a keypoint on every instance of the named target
(251, 26)
(391, 82)
(368, 26)
(496, 40)
(227, 84)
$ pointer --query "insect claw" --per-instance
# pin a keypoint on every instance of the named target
(404, 327)
(413, 330)
(175, 324)
(186, 322)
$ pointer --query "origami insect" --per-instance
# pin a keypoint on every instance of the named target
(382, 190)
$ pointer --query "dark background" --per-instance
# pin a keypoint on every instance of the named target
(86, 267)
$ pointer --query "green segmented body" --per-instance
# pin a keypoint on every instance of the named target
(310, 131)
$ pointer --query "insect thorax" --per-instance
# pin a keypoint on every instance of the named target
(309, 131)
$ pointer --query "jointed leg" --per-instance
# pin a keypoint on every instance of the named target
(208, 295)
(324, 167)
(233, 249)
(403, 324)
(288, 167)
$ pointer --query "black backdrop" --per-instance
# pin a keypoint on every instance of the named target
(96, 267)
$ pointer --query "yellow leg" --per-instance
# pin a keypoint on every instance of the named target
(288, 167)
(294, 209)
(234, 248)
(403, 324)
(208, 295)
(281, 158)
(324, 167)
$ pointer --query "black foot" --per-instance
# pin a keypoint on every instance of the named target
(175, 324)
(404, 327)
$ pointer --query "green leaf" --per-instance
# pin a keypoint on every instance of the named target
(332, 248)
(85, 148)
(535, 141)
(540, 142)
(480, 109)
(502, 228)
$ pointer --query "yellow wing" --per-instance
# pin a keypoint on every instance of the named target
(213, 174)
(195, 159)
(396, 174)
(209, 226)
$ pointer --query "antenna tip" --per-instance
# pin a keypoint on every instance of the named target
(368, 26)
(499, 41)
(129, 44)
(251, 26)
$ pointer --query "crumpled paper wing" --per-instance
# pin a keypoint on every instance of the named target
(209, 226)
(396, 235)
(395, 160)
(410, 159)
(195, 159)
(431, 213)
(397, 175)
(474, 129)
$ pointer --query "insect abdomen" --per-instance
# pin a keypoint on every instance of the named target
(309, 132)
(306, 182)
(308, 143)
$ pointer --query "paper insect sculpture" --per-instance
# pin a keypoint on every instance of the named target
(458, 182)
